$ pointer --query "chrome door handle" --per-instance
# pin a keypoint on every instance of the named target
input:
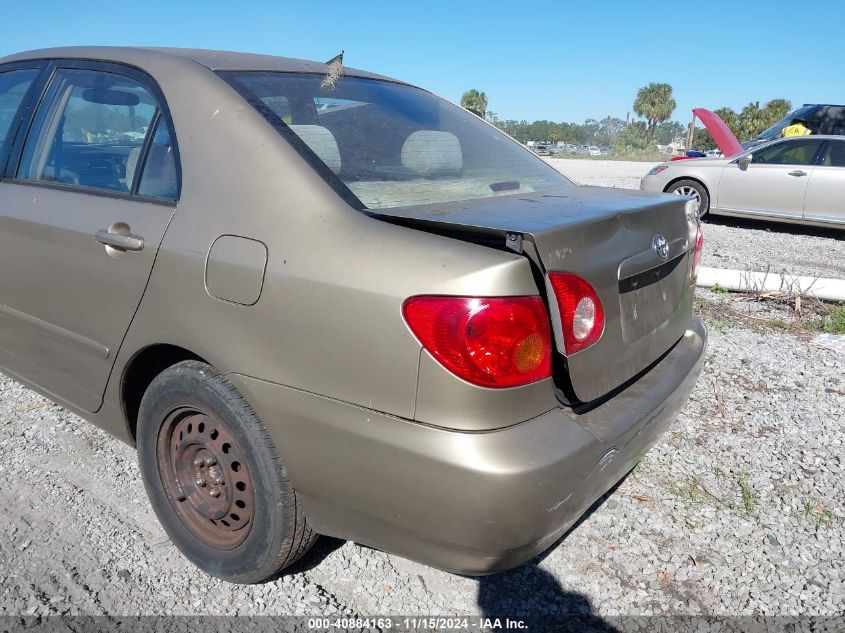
(798, 172)
(122, 242)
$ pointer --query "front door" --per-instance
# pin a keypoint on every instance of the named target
(78, 233)
(774, 183)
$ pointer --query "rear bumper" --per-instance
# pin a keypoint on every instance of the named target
(472, 503)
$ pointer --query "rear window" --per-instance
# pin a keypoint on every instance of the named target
(395, 145)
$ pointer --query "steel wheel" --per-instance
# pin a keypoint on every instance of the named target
(215, 478)
(206, 478)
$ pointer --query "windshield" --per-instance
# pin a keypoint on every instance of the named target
(394, 145)
(775, 131)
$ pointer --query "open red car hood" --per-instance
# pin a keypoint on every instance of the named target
(721, 133)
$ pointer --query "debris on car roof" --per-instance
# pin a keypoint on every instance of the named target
(335, 65)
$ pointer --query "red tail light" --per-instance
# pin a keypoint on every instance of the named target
(491, 342)
(696, 254)
(581, 311)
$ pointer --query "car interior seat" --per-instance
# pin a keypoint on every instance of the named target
(159, 177)
(432, 153)
(131, 167)
(322, 142)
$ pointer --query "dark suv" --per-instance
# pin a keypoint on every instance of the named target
(820, 118)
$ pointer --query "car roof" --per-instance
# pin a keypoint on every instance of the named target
(211, 59)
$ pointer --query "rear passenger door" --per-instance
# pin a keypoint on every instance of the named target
(825, 197)
(84, 204)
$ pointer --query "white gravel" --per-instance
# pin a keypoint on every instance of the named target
(677, 537)
(602, 172)
(79, 537)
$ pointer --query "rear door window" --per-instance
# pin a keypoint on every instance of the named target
(14, 86)
(834, 155)
(92, 130)
(159, 175)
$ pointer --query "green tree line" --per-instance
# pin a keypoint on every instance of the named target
(654, 104)
(608, 131)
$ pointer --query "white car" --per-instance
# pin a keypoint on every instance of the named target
(594, 151)
(796, 179)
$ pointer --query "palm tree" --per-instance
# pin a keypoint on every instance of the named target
(654, 102)
(775, 110)
(475, 102)
(752, 121)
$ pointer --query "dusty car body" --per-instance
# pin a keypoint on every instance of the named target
(430, 353)
(797, 180)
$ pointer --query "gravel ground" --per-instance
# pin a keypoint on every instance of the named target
(740, 509)
(728, 242)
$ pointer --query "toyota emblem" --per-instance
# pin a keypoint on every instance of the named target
(660, 246)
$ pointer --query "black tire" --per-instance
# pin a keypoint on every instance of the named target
(701, 190)
(185, 413)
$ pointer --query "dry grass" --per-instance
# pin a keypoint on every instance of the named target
(784, 311)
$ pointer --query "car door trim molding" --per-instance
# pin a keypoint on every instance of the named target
(762, 213)
(103, 193)
(826, 219)
(82, 342)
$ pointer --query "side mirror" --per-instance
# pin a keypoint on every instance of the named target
(745, 161)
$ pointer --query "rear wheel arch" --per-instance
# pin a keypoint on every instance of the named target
(139, 373)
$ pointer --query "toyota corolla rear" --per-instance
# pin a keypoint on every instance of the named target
(531, 401)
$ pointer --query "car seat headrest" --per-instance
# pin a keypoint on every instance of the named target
(432, 153)
(322, 142)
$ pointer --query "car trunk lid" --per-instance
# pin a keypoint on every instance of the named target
(607, 237)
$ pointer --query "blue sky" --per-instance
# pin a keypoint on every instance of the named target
(563, 61)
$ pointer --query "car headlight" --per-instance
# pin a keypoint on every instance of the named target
(657, 169)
